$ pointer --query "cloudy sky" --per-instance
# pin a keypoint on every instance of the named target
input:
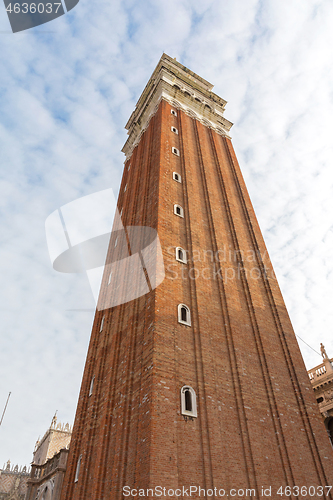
(67, 89)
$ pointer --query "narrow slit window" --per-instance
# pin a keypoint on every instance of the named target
(175, 151)
(91, 388)
(178, 210)
(110, 277)
(125, 189)
(77, 472)
(102, 324)
(129, 166)
(188, 401)
(173, 112)
(330, 429)
(116, 241)
(176, 177)
(184, 316)
(174, 130)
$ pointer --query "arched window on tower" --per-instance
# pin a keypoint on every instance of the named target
(176, 177)
(184, 316)
(188, 400)
(181, 255)
(178, 210)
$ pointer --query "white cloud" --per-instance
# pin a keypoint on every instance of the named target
(64, 100)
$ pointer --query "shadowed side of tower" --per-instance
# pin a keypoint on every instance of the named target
(199, 381)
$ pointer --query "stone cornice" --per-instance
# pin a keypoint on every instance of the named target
(182, 88)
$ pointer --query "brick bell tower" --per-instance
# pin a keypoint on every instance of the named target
(199, 381)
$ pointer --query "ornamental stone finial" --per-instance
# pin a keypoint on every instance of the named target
(54, 420)
(323, 351)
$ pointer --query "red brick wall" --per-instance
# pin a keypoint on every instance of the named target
(258, 423)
